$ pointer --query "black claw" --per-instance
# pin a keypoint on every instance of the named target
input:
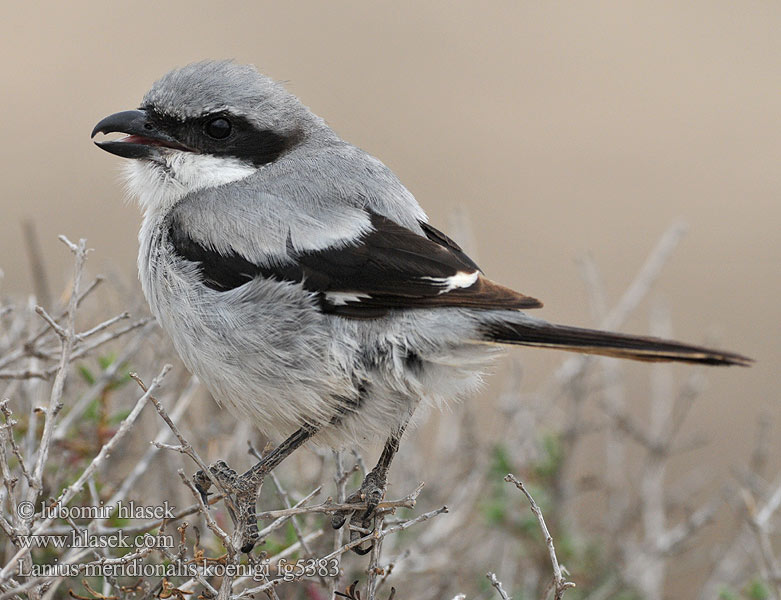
(202, 484)
(372, 502)
(338, 520)
(248, 546)
(363, 523)
(363, 551)
(204, 496)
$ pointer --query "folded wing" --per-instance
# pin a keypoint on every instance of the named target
(388, 267)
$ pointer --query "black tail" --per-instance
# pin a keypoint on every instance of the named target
(591, 341)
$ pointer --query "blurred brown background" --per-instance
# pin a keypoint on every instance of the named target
(561, 128)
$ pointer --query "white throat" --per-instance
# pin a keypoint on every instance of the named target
(158, 185)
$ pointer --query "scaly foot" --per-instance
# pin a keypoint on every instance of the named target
(243, 490)
(371, 492)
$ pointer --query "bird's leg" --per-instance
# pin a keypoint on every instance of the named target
(244, 488)
(371, 492)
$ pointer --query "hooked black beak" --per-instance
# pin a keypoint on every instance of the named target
(143, 135)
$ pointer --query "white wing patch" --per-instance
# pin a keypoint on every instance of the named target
(342, 298)
(462, 279)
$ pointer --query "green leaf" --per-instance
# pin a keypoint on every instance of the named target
(86, 374)
(106, 360)
(727, 594)
(757, 590)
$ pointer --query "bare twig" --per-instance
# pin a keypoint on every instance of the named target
(8, 432)
(101, 326)
(70, 491)
(67, 335)
(293, 520)
(27, 346)
(277, 523)
(225, 538)
(331, 507)
(758, 520)
(498, 585)
(560, 584)
(184, 445)
(637, 290)
(104, 379)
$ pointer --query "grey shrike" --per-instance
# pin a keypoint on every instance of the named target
(300, 280)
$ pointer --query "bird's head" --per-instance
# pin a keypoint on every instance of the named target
(204, 125)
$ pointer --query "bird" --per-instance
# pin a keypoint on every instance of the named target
(302, 282)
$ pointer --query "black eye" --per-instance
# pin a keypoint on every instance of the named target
(218, 128)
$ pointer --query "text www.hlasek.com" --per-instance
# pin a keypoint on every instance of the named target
(84, 539)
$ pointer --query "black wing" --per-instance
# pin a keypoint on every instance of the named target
(386, 268)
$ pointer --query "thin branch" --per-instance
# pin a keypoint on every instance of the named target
(69, 492)
(27, 347)
(498, 585)
(182, 403)
(331, 507)
(637, 290)
(274, 525)
(560, 584)
(8, 427)
(101, 326)
(769, 568)
(185, 446)
(104, 379)
(67, 341)
(293, 520)
(210, 522)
